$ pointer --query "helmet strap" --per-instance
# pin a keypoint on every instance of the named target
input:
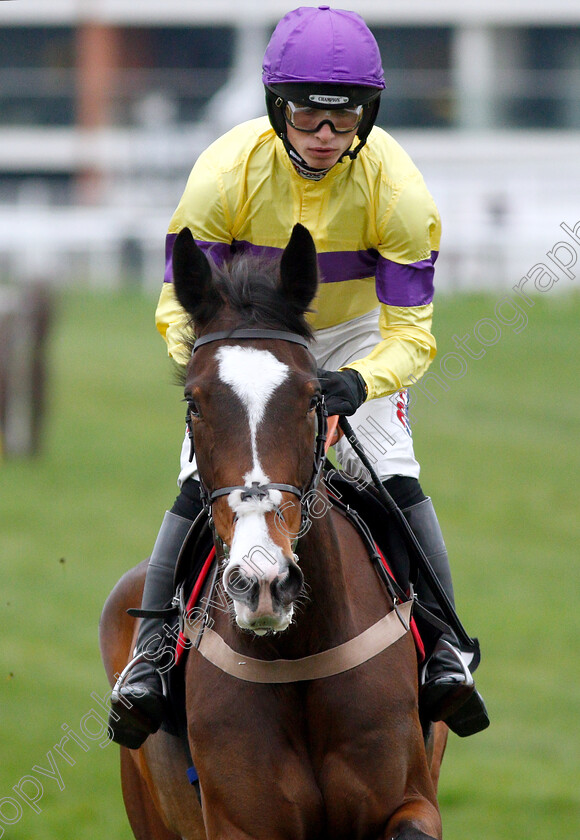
(309, 172)
(300, 165)
(352, 154)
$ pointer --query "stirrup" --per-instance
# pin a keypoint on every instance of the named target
(471, 715)
(139, 657)
(444, 646)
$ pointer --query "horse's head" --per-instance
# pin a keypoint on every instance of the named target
(253, 401)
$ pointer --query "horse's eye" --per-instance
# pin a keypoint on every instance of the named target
(192, 407)
(314, 400)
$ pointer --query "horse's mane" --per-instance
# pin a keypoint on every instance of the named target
(249, 290)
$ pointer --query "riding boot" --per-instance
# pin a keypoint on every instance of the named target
(138, 704)
(447, 691)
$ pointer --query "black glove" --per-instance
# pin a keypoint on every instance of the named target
(344, 390)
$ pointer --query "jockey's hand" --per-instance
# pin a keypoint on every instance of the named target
(344, 390)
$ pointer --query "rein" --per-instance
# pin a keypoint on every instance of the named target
(471, 645)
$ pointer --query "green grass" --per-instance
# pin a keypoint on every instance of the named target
(72, 521)
(499, 454)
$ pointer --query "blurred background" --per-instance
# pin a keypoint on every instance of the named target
(104, 107)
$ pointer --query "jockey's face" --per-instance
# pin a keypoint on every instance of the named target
(323, 148)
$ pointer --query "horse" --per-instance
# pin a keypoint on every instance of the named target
(294, 733)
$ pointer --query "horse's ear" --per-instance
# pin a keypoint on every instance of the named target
(192, 277)
(299, 268)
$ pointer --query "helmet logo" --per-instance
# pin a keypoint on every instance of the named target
(325, 99)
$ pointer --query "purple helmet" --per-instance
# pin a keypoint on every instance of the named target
(317, 54)
(323, 45)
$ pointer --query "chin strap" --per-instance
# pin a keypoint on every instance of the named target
(300, 165)
(309, 172)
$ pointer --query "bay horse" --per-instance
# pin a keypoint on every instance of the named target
(283, 751)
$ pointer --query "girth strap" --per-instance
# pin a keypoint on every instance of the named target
(327, 663)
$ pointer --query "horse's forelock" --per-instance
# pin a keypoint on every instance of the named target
(249, 292)
(250, 288)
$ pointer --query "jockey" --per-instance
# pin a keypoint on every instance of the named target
(318, 159)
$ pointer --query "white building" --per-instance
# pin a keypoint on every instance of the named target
(105, 104)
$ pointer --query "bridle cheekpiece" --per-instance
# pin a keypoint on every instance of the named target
(256, 490)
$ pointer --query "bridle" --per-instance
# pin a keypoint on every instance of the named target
(256, 490)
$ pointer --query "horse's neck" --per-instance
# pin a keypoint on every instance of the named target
(345, 595)
(326, 572)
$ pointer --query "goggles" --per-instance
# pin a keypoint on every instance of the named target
(308, 119)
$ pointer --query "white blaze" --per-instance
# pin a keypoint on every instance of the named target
(254, 375)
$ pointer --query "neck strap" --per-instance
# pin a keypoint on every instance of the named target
(326, 663)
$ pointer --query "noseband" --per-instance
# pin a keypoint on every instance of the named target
(256, 490)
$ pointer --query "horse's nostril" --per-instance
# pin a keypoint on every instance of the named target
(239, 586)
(289, 587)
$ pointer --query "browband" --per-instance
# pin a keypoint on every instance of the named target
(250, 333)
